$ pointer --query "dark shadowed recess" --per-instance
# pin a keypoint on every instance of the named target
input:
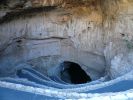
(25, 12)
(73, 73)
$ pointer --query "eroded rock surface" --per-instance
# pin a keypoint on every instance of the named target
(52, 36)
(89, 32)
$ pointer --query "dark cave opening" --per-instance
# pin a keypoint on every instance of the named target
(73, 73)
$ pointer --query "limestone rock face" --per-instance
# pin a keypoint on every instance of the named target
(121, 64)
(44, 33)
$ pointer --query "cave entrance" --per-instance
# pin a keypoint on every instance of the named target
(73, 73)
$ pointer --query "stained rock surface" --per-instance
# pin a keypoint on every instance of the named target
(95, 34)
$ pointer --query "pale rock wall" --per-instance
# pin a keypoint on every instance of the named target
(119, 34)
(88, 35)
(121, 64)
(55, 34)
